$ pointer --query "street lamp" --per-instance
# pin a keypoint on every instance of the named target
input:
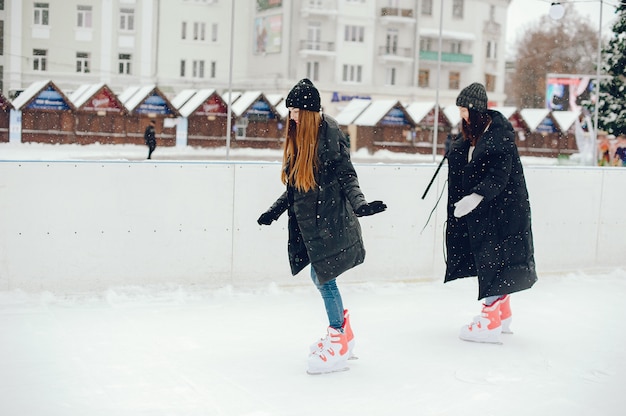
(557, 11)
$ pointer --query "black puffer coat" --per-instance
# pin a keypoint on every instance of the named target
(323, 229)
(494, 241)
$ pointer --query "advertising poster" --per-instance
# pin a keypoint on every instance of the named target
(267, 34)
(267, 4)
(568, 92)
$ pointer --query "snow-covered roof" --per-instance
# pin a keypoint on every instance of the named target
(375, 112)
(182, 97)
(565, 119)
(419, 110)
(231, 97)
(83, 93)
(127, 93)
(452, 114)
(278, 101)
(29, 93)
(351, 111)
(534, 116)
(507, 112)
(138, 97)
(196, 101)
(447, 34)
(245, 101)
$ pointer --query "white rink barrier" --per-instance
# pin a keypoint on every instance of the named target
(90, 225)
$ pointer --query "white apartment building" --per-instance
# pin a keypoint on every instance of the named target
(349, 48)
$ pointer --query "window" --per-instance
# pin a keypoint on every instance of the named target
(426, 44)
(40, 59)
(213, 69)
(199, 31)
(352, 73)
(314, 35)
(455, 47)
(457, 9)
(492, 49)
(214, 32)
(427, 7)
(390, 76)
(83, 16)
(423, 80)
(197, 69)
(490, 82)
(183, 34)
(182, 67)
(127, 19)
(454, 80)
(82, 62)
(354, 33)
(391, 43)
(124, 63)
(1, 38)
(41, 14)
(313, 70)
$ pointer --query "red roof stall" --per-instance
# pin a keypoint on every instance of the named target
(257, 122)
(384, 124)
(424, 115)
(5, 116)
(100, 115)
(143, 104)
(47, 114)
(206, 114)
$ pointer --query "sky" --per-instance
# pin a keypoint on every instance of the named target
(176, 350)
(522, 13)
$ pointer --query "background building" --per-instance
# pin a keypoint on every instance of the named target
(349, 48)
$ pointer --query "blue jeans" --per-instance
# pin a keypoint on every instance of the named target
(332, 300)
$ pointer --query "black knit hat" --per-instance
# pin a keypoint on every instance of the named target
(473, 97)
(304, 96)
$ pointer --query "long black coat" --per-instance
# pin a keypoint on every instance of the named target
(323, 229)
(494, 241)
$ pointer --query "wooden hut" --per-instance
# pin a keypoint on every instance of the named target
(5, 117)
(257, 122)
(47, 114)
(385, 124)
(143, 104)
(542, 135)
(100, 116)
(206, 114)
(424, 115)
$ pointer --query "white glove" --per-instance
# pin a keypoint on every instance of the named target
(467, 204)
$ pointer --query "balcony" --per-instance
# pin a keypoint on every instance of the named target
(319, 8)
(316, 48)
(394, 54)
(396, 15)
(456, 58)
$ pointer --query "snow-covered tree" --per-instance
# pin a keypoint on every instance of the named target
(612, 110)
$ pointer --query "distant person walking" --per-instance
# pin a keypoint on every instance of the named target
(488, 230)
(149, 136)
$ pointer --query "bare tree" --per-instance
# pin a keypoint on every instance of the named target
(566, 46)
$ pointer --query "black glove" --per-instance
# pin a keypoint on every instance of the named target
(372, 208)
(266, 218)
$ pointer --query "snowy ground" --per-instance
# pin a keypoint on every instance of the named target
(180, 350)
(191, 351)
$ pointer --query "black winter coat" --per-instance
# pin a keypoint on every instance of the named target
(494, 241)
(323, 229)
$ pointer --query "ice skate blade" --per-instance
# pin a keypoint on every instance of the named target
(508, 332)
(353, 357)
(482, 341)
(319, 373)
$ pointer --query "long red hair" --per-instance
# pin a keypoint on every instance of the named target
(300, 152)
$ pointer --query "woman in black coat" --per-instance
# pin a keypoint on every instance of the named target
(323, 200)
(488, 230)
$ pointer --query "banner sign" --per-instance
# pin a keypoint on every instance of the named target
(155, 104)
(49, 99)
(568, 92)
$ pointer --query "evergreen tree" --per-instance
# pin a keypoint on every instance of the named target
(612, 110)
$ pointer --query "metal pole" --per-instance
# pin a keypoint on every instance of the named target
(597, 107)
(230, 80)
(436, 123)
